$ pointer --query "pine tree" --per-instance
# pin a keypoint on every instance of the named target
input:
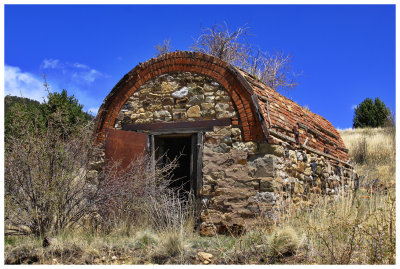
(371, 114)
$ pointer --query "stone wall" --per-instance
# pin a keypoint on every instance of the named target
(243, 182)
(176, 97)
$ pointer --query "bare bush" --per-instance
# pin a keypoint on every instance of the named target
(45, 175)
(124, 194)
(220, 42)
(142, 193)
(273, 69)
(163, 48)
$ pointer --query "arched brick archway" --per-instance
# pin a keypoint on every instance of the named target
(224, 73)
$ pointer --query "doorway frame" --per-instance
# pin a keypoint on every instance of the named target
(196, 156)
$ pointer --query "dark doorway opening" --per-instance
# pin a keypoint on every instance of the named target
(169, 147)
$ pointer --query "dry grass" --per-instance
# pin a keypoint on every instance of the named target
(351, 228)
(374, 153)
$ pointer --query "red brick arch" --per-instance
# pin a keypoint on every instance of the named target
(224, 73)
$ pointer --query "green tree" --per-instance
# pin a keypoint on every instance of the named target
(371, 114)
(64, 112)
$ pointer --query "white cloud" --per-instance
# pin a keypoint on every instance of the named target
(353, 107)
(78, 72)
(50, 63)
(23, 84)
(87, 76)
(82, 66)
(78, 79)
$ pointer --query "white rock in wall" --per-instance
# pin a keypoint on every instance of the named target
(180, 93)
(299, 155)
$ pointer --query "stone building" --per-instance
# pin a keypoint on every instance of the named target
(247, 150)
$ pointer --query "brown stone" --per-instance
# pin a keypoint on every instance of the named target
(301, 166)
(250, 147)
(207, 106)
(195, 90)
(208, 230)
(298, 188)
(208, 114)
(193, 112)
(242, 161)
(272, 149)
(222, 98)
(163, 114)
(222, 107)
(208, 88)
(204, 257)
(168, 101)
(211, 216)
(166, 87)
(264, 167)
(266, 184)
(179, 114)
(308, 171)
(222, 131)
(146, 115)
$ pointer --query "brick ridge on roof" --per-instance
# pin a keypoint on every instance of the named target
(284, 113)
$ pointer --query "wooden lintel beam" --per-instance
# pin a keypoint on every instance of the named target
(180, 125)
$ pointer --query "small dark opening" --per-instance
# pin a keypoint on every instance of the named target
(180, 147)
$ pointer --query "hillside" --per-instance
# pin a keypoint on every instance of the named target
(10, 101)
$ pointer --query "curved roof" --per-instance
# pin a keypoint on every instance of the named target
(263, 112)
(282, 115)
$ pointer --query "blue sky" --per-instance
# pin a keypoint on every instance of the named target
(345, 53)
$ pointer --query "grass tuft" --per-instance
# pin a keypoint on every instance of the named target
(284, 242)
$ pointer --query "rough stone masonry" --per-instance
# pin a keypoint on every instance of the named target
(246, 177)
